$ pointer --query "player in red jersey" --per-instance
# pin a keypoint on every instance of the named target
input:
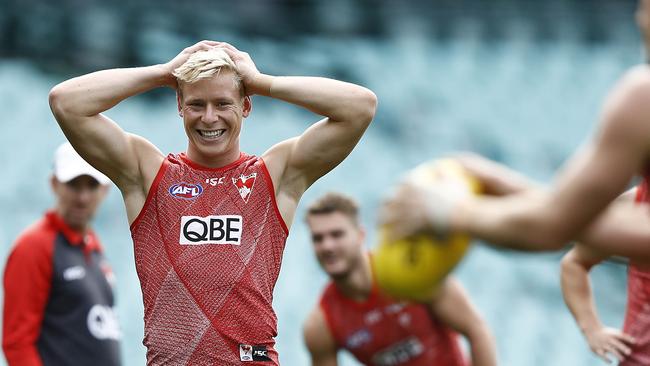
(577, 205)
(631, 346)
(354, 315)
(209, 225)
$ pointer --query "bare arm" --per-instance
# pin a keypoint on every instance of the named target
(623, 223)
(578, 295)
(78, 103)
(416, 207)
(130, 161)
(319, 340)
(452, 306)
(495, 179)
(348, 109)
(587, 184)
(299, 162)
(622, 230)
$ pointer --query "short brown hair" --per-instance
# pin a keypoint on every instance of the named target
(335, 202)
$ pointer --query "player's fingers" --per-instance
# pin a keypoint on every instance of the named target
(228, 46)
(611, 349)
(208, 42)
(621, 347)
(234, 55)
(627, 338)
(202, 45)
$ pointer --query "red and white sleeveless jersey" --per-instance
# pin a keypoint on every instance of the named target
(208, 247)
(384, 332)
(637, 314)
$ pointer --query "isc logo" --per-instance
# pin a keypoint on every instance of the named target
(186, 191)
(222, 229)
(259, 353)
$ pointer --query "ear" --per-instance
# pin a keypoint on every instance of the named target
(179, 102)
(247, 106)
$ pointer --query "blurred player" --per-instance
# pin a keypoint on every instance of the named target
(354, 315)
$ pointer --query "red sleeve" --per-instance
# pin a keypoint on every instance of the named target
(27, 283)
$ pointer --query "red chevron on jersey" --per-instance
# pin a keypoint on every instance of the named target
(244, 185)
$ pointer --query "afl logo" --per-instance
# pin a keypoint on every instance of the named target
(186, 191)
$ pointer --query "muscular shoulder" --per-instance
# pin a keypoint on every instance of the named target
(276, 158)
(286, 178)
(149, 156)
(149, 159)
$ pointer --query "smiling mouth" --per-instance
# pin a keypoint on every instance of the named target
(211, 134)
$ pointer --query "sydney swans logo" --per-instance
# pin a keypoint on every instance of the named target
(244, 185)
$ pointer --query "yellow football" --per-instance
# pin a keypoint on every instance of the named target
(412, 268)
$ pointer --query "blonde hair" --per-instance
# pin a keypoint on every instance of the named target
(335, 202)
(207, 63)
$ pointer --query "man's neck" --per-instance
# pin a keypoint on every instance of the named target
(213, 161)
(357, 285)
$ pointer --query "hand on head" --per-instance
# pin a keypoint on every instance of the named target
(180, 59)
(245, 67)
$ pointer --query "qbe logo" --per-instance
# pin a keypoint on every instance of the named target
(220, 229)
